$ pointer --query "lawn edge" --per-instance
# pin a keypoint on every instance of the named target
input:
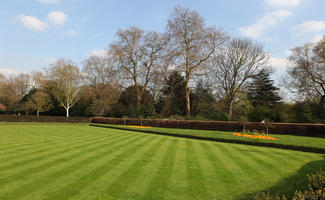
(234, 141)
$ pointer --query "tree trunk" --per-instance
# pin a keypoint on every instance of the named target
(138, 104)
(67, 109)
(230, 110)
(188, 103)
(37, 112)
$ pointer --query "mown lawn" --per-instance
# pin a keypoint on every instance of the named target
(83, 162)
(288, 140)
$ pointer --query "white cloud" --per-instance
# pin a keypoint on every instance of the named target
(7, 71)
(97, 52)
(72, 32)
(279, 63)
(51, 60)
(310, 26)
(33, 23)
(263, 24)
(57, 18)
(49, 1)
(282, 3)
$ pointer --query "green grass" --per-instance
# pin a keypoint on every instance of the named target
(288, 140)
(83, 162)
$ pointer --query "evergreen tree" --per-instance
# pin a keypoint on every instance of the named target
(172, 101)
(261, 91)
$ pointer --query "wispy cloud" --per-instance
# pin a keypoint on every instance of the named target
(7, 71)
(263, 24)
(279, 63)
(97, 52)
(56, 18)
(33, 23)
(282, 3)
(310, 26)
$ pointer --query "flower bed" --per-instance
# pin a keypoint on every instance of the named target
(136, 126)
(255, 136)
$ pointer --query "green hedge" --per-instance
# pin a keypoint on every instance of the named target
(317, 130)
(24, 118)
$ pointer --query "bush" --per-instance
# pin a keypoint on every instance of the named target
(316, 188)
(267, 196)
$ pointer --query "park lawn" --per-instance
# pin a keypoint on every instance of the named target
(84, 162)
(289, 140)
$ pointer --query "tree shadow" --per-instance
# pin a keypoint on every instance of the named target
(289, 185)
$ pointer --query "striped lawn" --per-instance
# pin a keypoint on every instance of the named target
(82, 162)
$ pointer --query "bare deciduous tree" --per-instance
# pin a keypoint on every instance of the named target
(40, 101)
(306, 76)
(239, 61)
(192, 44)
(13, 88)
(67, 78)
(97, 71)
(136, 54)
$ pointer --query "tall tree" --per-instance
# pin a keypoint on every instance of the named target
(97, 71)
(306, 76)
(261, 91)
(67, 79)
(136, 54)
(240, 60)
(192, 44)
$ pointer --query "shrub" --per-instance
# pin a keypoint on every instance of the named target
(267, 196)
(316, 188)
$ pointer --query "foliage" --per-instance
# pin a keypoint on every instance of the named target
(267, 196)
(127, 104)
(316, 188)
(172, 101)
(261, 91)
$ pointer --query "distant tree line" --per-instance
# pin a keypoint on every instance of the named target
(190, 71)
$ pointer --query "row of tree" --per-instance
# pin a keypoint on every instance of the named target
(191, 70)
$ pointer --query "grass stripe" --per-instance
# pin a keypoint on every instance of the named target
(226, 179)
(196, 183)
(44, 180)
(161, 180)
(78, 185)
(34, 151)
(116, 189)
(49, 141)
(239, 168)
(38, 157)
(61, 159)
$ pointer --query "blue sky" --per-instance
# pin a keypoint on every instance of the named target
(33, 33)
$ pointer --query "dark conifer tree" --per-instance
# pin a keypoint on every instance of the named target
(261, 91)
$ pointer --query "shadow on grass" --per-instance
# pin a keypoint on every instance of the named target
(289, 185)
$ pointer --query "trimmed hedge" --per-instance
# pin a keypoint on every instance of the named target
(316, 130)
(24, 118)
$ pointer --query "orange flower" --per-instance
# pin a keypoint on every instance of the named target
(255, 136)
(132, 126)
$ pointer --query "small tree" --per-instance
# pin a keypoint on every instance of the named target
(67, 78)
(40, 102)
